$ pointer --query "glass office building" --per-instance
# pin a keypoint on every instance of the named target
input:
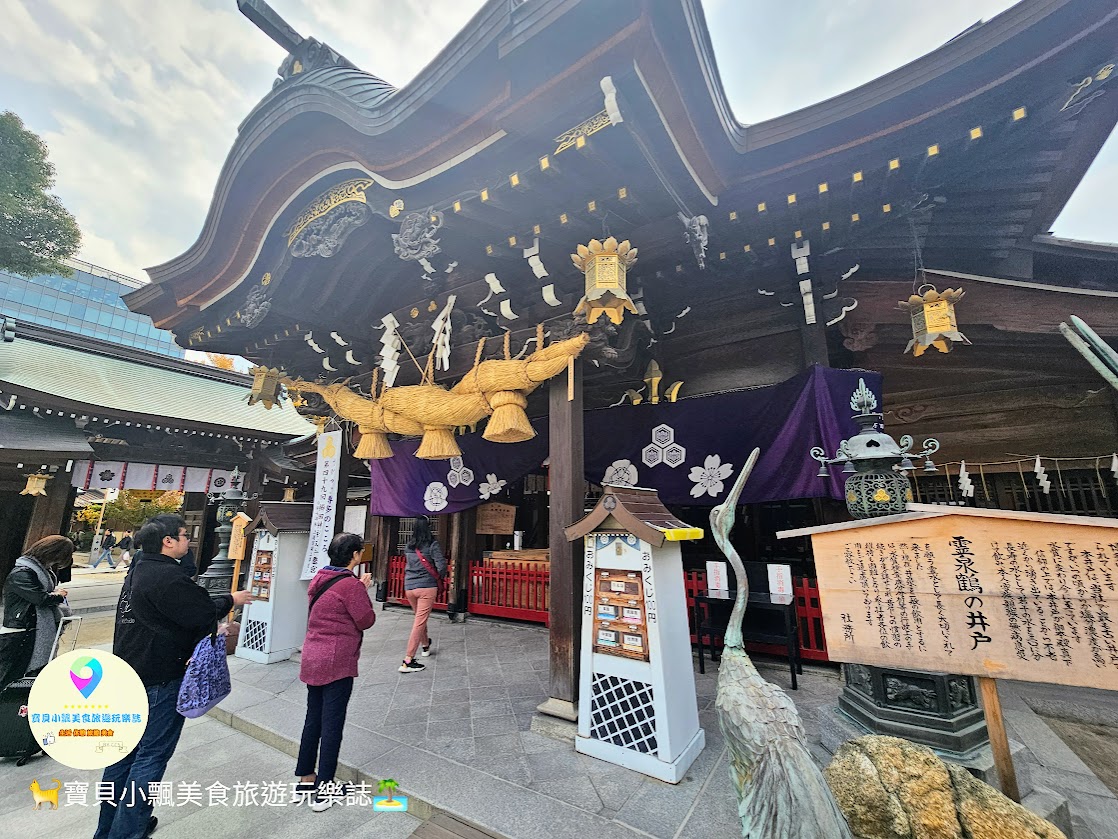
(87, 303)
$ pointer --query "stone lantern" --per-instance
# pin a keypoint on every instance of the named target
(218, 578)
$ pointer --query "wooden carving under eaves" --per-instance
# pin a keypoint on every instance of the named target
(640, 512)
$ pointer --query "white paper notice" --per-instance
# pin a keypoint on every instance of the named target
(718, 577)
(780, 580)
(325, 492)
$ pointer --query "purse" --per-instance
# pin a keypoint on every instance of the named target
(440, 582)
(207, 680)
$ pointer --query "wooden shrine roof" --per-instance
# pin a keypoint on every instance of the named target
(544, 124)
(640, 512)
(283, 517)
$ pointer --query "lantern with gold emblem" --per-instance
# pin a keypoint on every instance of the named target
(36, 484)
(265, 386)
(605, 265)
(933, 319)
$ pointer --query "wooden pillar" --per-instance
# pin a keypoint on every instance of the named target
(568, 491)
(253, 483)
(47, 514)
(346, 464)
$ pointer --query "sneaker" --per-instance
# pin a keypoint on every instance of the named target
(412, 666)
(329, 794)
(426, 651)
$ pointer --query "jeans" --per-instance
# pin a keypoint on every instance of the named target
(127, 816)
(106, 553)
(326, 710)
(421, 599)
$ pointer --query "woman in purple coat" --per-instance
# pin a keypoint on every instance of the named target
(340, 612)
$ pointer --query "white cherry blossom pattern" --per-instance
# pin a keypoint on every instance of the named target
(491, 486)
(621, 473)
(459, 473)
(708, 478)
(435, 496)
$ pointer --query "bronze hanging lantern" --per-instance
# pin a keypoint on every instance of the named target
(265, 386)
(36, 484)
(933, 319)
(605, 265)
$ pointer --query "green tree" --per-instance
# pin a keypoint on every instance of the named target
(36, 231)
(129, 510)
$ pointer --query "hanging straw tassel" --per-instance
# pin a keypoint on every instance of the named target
(373, 446)
(438, 444)
(509, 423)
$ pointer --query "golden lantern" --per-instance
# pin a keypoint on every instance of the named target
(933, 320)
(265, 386)
(289, 493)
(605, 264)
(36, 484)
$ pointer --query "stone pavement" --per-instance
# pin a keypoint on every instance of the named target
(208, 752)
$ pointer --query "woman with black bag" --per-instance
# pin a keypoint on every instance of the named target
(423, 576)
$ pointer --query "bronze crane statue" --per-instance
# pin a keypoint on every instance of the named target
(781, 792)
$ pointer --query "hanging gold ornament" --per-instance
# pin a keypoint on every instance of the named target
(933, 320)
(36, 484)
(289, 493)
(605, 265)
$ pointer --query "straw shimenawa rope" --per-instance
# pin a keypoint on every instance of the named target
(498, 388)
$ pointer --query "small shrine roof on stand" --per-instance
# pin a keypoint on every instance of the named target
(638, 510)
(283, 517)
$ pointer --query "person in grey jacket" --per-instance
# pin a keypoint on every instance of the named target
(425, 570)
(33, 607)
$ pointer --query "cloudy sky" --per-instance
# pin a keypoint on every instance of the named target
(139, 100)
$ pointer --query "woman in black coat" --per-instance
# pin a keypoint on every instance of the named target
(33, 607)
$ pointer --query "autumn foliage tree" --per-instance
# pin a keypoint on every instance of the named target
(36, 231)
(131, 509)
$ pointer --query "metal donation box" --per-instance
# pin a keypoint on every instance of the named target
(637, 705)
(274, 624)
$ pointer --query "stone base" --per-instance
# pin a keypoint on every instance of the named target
(554, 727)
(560, 708)
(958, 733)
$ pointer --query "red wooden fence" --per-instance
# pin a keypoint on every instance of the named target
(509, 590)
(813, 646)
(396, 567)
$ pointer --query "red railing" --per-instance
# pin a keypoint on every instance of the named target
(396, 568)
(511, 589)
(813, 645)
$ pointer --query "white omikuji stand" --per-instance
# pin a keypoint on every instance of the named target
(273, 629)
(640, 714)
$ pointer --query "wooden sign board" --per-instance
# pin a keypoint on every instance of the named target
(982, 592)
(237, 537)
(496, 518)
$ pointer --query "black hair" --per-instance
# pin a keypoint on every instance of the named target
(150, 536)
(342, 547)
(421, 535)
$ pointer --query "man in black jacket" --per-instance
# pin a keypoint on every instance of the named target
(161, 616)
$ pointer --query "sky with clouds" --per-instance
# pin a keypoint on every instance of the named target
(139, 100)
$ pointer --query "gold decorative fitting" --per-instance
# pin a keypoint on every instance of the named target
(772, 242)
(266, 279)
(562, 218)
(577, 136)
(792, 198)
(747, 248)
(545, 163)
(976, 132)
(289, 493)
(1019, 114)
(265, 386)
(857, 177)
(605, 265)
(396, 208)
(652, 378)
(485, 195)
(344, 192)
(592, 206)
(733, 215)
(514, 179)
(623, 193)
(761, 207)
(855, 216)
(489, 250)
(823, 187)
(415, 312)
(512, 241)
(826, 225)
(36, 484)
(432, 306)
(933, 320)
(535, 230)
(933, 150)
(894, 164)
(799, 234)
(886, 208)
(457, 206)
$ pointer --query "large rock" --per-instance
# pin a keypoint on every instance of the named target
(889, 788)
